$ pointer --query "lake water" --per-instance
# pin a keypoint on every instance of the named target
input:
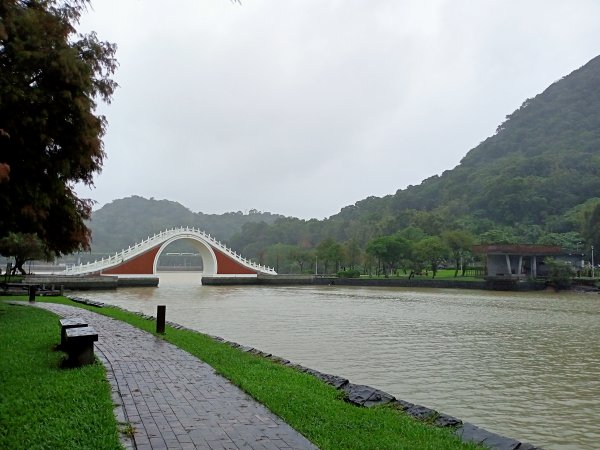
(526, 365)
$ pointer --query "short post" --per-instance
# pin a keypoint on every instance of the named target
(161, 311)
(7, 273)
(32, 291)
(593, 261)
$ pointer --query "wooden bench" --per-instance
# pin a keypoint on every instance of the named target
(79, 345)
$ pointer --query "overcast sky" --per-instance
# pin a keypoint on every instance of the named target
(301, 107)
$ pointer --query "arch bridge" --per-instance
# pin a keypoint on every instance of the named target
(142, 258)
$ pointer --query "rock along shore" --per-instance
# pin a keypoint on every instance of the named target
(315, 280)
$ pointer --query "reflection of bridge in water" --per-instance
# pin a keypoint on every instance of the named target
(142, 258)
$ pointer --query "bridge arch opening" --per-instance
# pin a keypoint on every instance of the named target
(206, 253)
(178, 256)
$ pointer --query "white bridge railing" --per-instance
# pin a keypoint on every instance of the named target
(152, 241)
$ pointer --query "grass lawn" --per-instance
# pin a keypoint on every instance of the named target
(310, 406)
(442, 274)
(41, 405)
(4, 278)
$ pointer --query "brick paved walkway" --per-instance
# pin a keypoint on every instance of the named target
(174, 400)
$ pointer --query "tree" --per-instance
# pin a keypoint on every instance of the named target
(389, 249)
(499, 236)
(368, 263)
(329, 251)
(571, 240)
(431, 222)
(352, 253)
(22, 247)
(590, 225)
(560, 273)
(50, 134)
(412, 234)
(459, 242)
(432, 251)
(301, 256)
(279, 256)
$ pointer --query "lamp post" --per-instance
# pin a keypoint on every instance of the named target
(592, 261)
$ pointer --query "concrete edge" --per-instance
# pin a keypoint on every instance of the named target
(118, 408)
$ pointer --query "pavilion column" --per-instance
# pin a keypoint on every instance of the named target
(534, 266)
(508, 264)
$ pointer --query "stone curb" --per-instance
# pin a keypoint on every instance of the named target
(85, 301)
(119, 409)
(367, 396)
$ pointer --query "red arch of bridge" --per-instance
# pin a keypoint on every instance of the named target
(144, 264)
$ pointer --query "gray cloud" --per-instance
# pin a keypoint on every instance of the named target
(303, 107)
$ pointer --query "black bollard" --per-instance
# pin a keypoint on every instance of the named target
(161, 311)
(32, 291)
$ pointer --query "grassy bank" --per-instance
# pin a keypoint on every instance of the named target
(442, 274)
(42, 405)
(310, 406)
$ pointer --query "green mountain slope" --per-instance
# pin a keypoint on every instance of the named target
(125, 221)
(532, 177)
(542, 161)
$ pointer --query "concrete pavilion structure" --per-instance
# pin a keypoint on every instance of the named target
(523, 261)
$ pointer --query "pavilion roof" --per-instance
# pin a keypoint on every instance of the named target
(519, 249)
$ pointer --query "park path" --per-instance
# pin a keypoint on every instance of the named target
(174, 400)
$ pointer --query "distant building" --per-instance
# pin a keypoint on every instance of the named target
(521, 261)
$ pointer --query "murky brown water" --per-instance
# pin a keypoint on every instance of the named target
(526, 365)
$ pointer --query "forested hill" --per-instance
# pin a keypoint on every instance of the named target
(537, 179)
(125, 221)
(543, 160)
(528, 179)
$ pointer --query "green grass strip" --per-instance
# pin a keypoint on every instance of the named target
(310, 406)
(41, 405)
(442, 274)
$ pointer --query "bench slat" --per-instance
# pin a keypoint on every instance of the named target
(85, 333)
(70, 322)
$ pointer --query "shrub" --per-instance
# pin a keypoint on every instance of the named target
(560, 273)
(349, 274)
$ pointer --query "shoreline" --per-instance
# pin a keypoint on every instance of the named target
(51, 284)
(317, 280)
